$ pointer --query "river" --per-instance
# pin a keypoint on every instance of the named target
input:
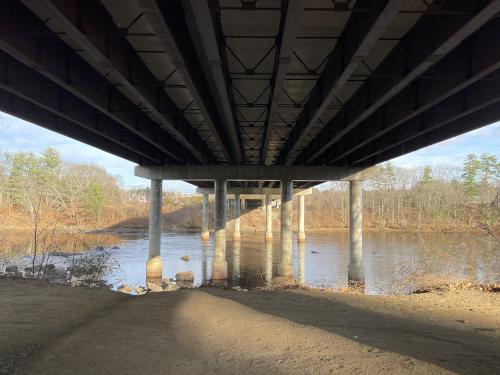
(390, 258)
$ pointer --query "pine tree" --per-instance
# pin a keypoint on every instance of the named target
(469, 175)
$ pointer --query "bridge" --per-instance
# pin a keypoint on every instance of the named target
(258, 94)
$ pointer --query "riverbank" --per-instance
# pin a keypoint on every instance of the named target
(48, 329)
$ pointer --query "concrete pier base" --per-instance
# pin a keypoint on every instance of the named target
(286, 261)
(355, 269)
(154, 269)
(219, 268)
(205, 234)
(236, 218)
(269, 218)
(301, 235)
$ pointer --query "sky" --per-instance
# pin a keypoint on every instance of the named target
(19, 135)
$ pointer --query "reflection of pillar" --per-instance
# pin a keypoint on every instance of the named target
(204, 263)
(286, 262)
(269, 218)
(204, 219)
(154, 265)
(219, 268)
(302, 234)
(268, 265)
(236, 217)
(301, 271)
(355, 270)
(236, 262)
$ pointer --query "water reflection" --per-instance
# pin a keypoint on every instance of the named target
(321, 261)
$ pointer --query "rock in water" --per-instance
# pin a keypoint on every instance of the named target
(184, 276)
(124, 289)
(153, 287)
(11, 269)
(185, 258)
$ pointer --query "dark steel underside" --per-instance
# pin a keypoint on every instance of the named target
(287, 82)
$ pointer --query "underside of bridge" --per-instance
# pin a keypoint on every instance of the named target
(252, 82)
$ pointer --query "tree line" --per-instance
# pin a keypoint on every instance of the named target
(421, 197)
(43, 186)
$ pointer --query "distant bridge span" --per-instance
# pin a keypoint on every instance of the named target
(299, 83)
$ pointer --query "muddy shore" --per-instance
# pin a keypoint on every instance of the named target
(48, 329)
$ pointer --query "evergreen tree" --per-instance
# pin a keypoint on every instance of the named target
(469, 175)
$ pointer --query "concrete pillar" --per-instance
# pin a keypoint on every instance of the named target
(269, 218)
(205, 234)
(236, 218)
(154, 265)
(301, 236)
(286, 261)
(355, 270)
(236, 262)
(268, 262)
(219, 267)
(302, 263)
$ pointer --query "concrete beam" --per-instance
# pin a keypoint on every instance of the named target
(254, 193)
(251, 173)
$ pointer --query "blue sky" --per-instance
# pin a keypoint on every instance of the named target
(19, 135)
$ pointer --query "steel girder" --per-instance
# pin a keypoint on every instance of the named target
(409, 59)
(289, 26)
(463, 104)
(462, 125)
(21, 108)
(31, 86)
(357, 39)
(27, 39)
(89, 26)
(472, 61)
(200, 24)
(167, 18)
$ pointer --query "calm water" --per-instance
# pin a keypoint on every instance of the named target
(320, 262)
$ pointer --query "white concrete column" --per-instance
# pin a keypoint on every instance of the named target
(205, 234)
(301, 236)
(236, 218)
(219, 268)
(302, 262)
(286, 261)
(269, 218)
(268, 262)
(355, 270)
(154, 265)
(236, 262)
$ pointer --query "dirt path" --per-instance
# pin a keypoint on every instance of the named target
(56, 330)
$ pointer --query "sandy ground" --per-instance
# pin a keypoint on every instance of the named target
(57, 330)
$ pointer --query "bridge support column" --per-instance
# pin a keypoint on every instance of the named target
(219, 268)
(301, 236)
(205, 234)
(286, 262)
(236, 218)
(355, 270)
(154, 264)
(269, 218)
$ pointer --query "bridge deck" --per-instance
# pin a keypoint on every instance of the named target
(268, 82)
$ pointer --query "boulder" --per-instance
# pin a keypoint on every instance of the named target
(185, 258)
(11, 269)
(124, 289)
(140, 290)
(238, 288)
(155, 288)
(185, 284)
(115, 247)
(184, 276)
